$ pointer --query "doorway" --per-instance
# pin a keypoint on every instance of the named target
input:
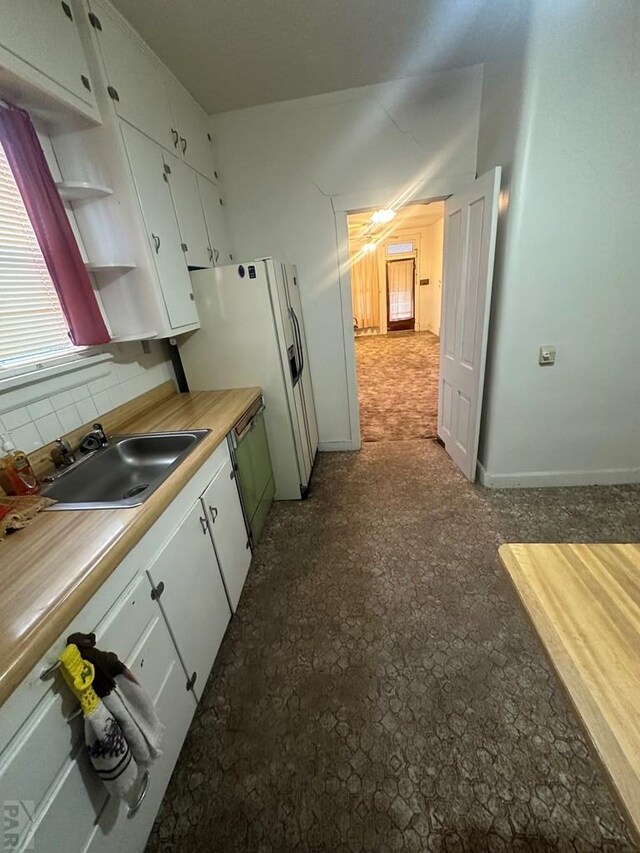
(401, 277)
(469, 240)
(396, 285)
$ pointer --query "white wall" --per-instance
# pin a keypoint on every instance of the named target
(570, 253)
(431, 268)
(39, 413)
(287, 166)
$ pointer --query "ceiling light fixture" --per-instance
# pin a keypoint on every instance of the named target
(386, 214)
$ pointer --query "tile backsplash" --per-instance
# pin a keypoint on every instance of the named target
(59, 404)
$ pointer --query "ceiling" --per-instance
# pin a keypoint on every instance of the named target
(239, 53)
(411, 216)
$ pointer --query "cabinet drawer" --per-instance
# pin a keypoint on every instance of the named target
(30, 765)
(126, 622)
(66, 823)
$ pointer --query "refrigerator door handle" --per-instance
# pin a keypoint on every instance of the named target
(298, 337)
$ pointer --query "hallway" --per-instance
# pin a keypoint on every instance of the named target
(380, 688)
(398, 385)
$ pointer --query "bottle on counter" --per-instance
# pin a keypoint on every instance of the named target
(16, 474)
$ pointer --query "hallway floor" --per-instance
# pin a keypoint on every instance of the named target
(398, 385)
(380, 688)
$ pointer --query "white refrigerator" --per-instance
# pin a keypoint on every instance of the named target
(252, 333)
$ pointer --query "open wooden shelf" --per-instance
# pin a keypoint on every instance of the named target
(139, 336)
(79, 190)
(106, 268)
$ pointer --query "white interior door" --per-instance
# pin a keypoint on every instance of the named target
(470, 221)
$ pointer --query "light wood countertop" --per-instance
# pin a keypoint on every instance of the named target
(584, 601)
(49, 570)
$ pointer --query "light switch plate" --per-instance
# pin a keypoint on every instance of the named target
(547, 356)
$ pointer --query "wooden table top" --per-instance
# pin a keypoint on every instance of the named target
(584, 601)
(49, 570)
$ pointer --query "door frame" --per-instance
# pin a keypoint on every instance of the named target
(408, 325)
(416, 191)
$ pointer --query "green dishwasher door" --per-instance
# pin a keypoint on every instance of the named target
(254, 465)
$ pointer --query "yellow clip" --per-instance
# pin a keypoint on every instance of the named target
(79, 675)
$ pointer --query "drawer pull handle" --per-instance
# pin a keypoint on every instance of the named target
(48, 672)
(143, 793)
(214, 513)
(203, 523)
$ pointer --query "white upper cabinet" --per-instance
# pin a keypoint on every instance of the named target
(40, 43)
(152, 185)
(186, 201)
(192, 140)
(214, 214)
(136, 81)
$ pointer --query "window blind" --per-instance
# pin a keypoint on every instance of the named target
(32, 325)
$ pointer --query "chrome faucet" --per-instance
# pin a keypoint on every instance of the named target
(63, 455)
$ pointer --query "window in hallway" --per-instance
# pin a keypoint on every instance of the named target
(396, 285)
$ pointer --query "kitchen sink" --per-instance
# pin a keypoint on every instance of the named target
(124, 473)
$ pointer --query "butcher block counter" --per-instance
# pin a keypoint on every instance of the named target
(51, 569)
(584, 602)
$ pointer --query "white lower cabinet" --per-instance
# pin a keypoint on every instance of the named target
(221, 503)
(155, 664)
(166, 631)
(189, 589)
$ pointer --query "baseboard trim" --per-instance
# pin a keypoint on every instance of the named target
(331, 446)
(544, 479)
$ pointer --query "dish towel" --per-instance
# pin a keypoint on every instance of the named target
(106, 744)
(123, 732)
(127, 701)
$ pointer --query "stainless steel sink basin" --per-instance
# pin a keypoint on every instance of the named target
(123, 474)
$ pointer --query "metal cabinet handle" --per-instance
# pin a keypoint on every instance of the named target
(216, 255)
(143, 793)
(176, 137)
(49, 671)
(184, 144)
(156, 242)
(210, 253)
(203, 524)
(214, 513)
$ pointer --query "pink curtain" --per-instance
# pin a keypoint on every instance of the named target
(49, 219)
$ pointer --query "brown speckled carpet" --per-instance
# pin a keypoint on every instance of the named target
(380, 688)
(398, 385)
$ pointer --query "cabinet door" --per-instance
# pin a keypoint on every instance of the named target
(194, 143)
(136, 81)
(193, 599)
(216, 220)
(147, 167)
(186, 201)
(158, 669)
(222, 504)
(43, 35)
